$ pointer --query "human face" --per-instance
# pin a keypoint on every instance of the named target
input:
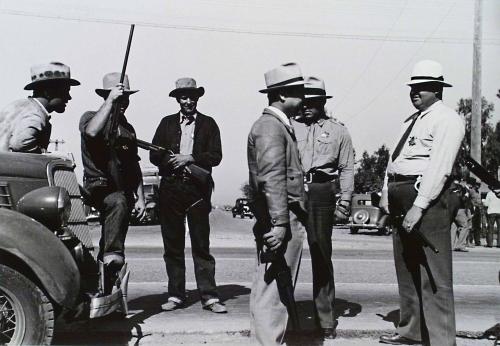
(122, 103)
(188, 103)
(292, 100)
(58, 98)
(313, 108)
(423, 95)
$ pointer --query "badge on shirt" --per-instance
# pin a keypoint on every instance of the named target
(325, 134)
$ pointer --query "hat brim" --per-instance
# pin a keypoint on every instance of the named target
(420, 81)
(267, 90)
(70, 81)
(200, 91)
(317, 97)
(105, 92)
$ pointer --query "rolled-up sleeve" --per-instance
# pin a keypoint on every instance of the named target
(26, 133)
(447, 134)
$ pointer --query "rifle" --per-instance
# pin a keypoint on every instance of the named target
(115, 169)
(279, 269)
(481, 172)
(200, 176)
(416, 232)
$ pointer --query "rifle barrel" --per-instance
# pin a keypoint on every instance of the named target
(125, 61)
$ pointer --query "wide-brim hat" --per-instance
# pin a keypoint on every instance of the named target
(186, 85)
(315, 88)
(283, 76)
(427, 71)
(49, 73)
(110, 80)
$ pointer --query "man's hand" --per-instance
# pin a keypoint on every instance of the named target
(342, 211)
(179, 160)
(140, 208)
(274, 238)
(384, 201)
(412, 217)
(115, 92)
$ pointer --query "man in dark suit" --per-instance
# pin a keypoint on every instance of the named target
(276, 187)
(189, 138)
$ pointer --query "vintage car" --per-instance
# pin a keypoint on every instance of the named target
(366, 214)
(241, 208)
(151, 185)
(48, 264)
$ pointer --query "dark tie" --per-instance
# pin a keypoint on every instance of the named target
(403, 139)
(187, 118)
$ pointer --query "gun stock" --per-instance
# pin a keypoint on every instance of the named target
(481, 172)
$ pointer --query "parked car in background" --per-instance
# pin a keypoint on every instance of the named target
(48, 266)
(242, 209)
(151, 185)
(366, 214)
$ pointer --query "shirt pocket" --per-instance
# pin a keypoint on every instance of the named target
(326, 145)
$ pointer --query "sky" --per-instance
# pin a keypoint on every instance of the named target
(363, 49)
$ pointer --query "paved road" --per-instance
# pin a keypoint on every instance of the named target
(367, 300)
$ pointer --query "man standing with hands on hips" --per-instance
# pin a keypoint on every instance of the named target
(326, 154)
(418, 193)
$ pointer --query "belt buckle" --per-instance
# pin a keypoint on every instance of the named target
(308, 178)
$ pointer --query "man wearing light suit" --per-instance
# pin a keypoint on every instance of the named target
(276, 187)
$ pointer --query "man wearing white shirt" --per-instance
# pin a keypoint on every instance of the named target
(418, 194)
(492, 202)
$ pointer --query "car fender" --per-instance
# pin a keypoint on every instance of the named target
(41, 250)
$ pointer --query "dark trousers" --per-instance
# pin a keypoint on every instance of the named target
(492, 220)
(320, 208)
(475, 235)
(425, 279)
(173, 233)
(114, 211)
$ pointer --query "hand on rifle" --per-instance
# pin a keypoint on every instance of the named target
(180, 161)
(274, 238)
(140, 208)
(115, 92)
(412, 217)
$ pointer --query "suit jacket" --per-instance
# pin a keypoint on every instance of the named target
(207, 152)
(275, 175)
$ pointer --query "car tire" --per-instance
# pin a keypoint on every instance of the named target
(354, 230)
(25, 308)
(242, 216)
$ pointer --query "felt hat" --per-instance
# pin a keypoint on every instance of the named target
(315, 88)
(283, 76)
(110, 80)
(186, 84)
(427, 71)
(50, 72)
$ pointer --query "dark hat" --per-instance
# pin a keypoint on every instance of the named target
(186, 84)
(52, 71)
(283, 76)
(110, 80)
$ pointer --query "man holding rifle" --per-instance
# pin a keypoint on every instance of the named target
(113, 194)
(418, 193)
(188, 138)
(277, 200)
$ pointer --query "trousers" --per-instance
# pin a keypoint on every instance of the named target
(320, 200)
(425, 279)
(492, 219)
(173, 233)
(268, 315)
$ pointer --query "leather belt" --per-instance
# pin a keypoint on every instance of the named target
(396, 178)
(318, 177)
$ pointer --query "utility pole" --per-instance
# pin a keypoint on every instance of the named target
(57, 142)
(476, 86)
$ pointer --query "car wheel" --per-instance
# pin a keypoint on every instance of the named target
(26, 314)
(354, 230)
(242, 216)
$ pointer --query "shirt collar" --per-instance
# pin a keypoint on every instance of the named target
(280, 114)
(431, 108)
(41, 107)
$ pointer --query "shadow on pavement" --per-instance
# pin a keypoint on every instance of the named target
(392, 316)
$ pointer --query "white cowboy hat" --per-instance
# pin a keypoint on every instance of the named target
(427, 71)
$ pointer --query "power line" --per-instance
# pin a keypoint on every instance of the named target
(443, 40)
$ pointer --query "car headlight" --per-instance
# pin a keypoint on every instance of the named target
(50, 205)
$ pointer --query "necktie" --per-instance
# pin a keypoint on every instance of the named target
(403, 139)
(187, 118)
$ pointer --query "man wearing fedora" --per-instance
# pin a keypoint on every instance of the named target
(114, 199)
(418, 193)
(189, 137)
(327, 159)
(25, 124)
(276, 197)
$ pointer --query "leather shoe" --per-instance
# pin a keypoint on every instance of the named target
(397, 339)
(329, 333)
(171, 305)
(216, 307)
